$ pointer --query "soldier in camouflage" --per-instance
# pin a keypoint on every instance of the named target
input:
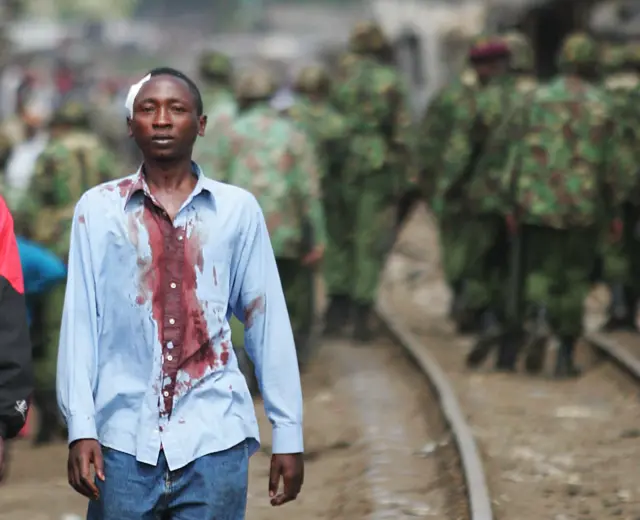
(521, 61)
(566, 181)
(446, 161)
(373, 98)
(269, 156)
(73, 161)
(216, 71)
(328, 129)
(622, 84)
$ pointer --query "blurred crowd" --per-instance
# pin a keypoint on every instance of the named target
(533, 184)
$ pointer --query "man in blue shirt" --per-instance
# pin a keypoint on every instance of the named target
(147, 377)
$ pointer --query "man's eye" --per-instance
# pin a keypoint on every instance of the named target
(179, 109)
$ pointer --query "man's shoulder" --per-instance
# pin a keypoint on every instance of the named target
(108, 192)
(230, 195)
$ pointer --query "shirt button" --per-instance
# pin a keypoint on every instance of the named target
(165, 393)
(171, 321)
(173, 285)
(169, 357)
(180, 237)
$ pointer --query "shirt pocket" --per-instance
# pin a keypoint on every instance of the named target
(214, 282)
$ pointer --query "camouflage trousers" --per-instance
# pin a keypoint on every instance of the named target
(46, 337)
(298, 286)
(359, 240)
(474, 251)
(558, 266)
(620, 259)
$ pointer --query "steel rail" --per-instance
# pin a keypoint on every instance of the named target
(474, 474)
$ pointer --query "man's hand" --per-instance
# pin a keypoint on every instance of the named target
(314, 256)
(83, 454)
(2, 458)
(291, 468)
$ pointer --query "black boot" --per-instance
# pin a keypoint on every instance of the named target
(508, 352)
(488, 340)
(565, 367)
(337, 315)
(362, 325)
(49, 424)
(537, 348)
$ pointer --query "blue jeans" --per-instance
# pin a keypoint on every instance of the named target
(213, 487)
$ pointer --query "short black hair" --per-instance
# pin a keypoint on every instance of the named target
(169, 71)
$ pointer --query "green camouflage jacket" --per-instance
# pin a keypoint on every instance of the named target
(374, 100)
(493, 106)
(434, 130)
(267, 155)
(564, 168)
(328, 130)
(221, 110)
(477, 114)
(69, 166)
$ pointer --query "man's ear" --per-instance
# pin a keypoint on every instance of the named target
(202, 125)
(129, 131)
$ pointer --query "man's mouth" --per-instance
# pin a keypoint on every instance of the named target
(162, 139)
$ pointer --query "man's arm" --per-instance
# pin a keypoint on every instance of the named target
(258, 301)
(78, 335)
(15, 349)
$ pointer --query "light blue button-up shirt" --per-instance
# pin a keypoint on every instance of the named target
(110, 358)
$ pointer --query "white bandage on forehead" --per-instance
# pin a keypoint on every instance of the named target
(133, 92)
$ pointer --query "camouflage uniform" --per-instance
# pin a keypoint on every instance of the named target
(328, 129)
(566, 180)
(219, 103)
(451, 143)
(521, 61)
(267, 155)
(622, 84)
(373, 98)
(73, 161)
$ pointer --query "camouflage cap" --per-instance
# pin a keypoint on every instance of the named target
(71, 112)
(313, 79)
(578, 49)
(214, 64)
(256, 83)
(487, 46)
(522, 57)
(367, 36)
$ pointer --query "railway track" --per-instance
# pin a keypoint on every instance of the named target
(562, 450)
(621, 348)
(478, 499)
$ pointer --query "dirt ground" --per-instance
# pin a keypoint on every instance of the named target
(37, 489)
(552, 450)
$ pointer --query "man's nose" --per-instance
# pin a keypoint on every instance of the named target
(163, 118)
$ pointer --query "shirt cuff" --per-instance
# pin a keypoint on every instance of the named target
(287, 439)
(81, 427)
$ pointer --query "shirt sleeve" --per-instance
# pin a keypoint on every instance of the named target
(16, 382)
(77, 354)
(258, 301)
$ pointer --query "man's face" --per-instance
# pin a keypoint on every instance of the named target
(165, 122)
(488, 68)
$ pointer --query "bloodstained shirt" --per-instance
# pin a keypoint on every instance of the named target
(146, 361)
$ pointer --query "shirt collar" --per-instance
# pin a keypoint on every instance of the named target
(139, 184)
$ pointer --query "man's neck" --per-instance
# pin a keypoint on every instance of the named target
(169, 176)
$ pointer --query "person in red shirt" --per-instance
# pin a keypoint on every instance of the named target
(16, 379)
